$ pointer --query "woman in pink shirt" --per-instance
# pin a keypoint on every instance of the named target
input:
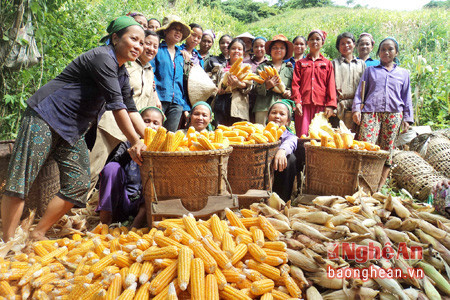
(313, 85)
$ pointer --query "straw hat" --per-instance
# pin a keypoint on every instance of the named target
(281, 38)
(200, 87)
(171, 20)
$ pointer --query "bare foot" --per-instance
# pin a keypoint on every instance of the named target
(37, 236)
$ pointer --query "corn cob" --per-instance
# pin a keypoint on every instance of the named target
(191, 227)
(217, 228)
(39, 249)
(172, 292)
(239, 253)
(263, 286)
(280, 254)
(164, 252)
(101, 264)
(163, 263)
(149, 134)
(201, 252)
(244, 239)
(274, 260)
(40, 295)
(133, 274)
(159, 138)
(204, 141)
(115, 288)
(197, 279)
(233, 275)
(221, 280)
(257, 235)
(211, 287)
(48, 258)
(221, 258)
(278, 295)
(250, 222)
(259, 138)
(143, 292)
(92, 290)
(28, 275)
(248, 213)
(129, 293)
(162, 279)
(253, 275)
(231, 293)
(5, 289)
(276, 245)
(269, 136)
(184, 267)
(266, 270)
(228, 245)
(163, 294)
(267, 296)
(163, 241)
(270, 232)
(25, 291)
(291, 286)
(44, 279)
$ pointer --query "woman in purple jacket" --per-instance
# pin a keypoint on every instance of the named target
(285, 162)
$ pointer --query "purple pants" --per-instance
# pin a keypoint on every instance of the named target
(113, 195)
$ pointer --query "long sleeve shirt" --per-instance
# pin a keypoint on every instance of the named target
(386, 91)
(347, 75)
(265, 98)
(313, 82)
(288, 142)
(74, 100)
(169, 76)
(196, 58)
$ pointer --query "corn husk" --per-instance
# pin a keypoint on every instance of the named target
(321, 279)
(317, 217)
(397, 236)
(393, 223)
(309, 231)
(430, 290)
(275, 201)
(313, 294)
(304, 262)
(400, 209)
(439, 234)
(279, 225)
(392, 286)
(439, 281)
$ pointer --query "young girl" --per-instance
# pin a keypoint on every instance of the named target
(387, 105)
(168, 66)
(347, 73)
(153, 24)
(313, 86)
(259, 53)
(285, 162)
(205, 45)
(279, 48)
(232, 107)
(222, 59)
(365, 46)
(299, 50)
(120, 192)
(188, 49)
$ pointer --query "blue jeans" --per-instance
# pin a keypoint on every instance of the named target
(173, 112)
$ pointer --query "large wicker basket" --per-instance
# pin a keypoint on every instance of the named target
(435, 149)
(249, 166)
(190, 176)
(414, 174)
(340, 172)
(44, 187)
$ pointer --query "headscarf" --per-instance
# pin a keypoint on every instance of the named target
(209, 127)
(154, 108)
(117, 25)
(210, 33)
(289, 104)
(322, 34)
(258, 38)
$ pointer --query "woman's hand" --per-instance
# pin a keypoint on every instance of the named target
(287, 94)
(186, 118)
(234, 82)
(356, 117)
(158, 104)
(298, 109)
(135, 151)
(220, 91)
(280, 161)
(405, 126)
(272, 82)
(186, 55)
(329, 112)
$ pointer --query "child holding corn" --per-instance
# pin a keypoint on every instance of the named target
(388, 105)
(120, 192)
(313, 85)
(285, 162)
(279, 49)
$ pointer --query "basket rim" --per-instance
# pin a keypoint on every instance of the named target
(379, 153)
(265, 145)
(189, 153)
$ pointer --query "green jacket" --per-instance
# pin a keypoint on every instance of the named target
(265, 98)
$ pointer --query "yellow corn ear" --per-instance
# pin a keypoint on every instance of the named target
(169, 142)
(211, 287)
(163, 241)
(184, 267)
(257, 235)
(39, 249)
(278, 295)
(197, 279)
(204, 230)
(163, 252)
(269, 136)
(259, 138)
(348, 140)
(146, 272)
(273, 260)
(5, 289)
(191, 227)
(201, 252)
(233, 275)
(236, 66)
(338, 141)
(266, 270)
(143, 292)
(115, 288)
(133, 274)
(91, 290)
(270, 232)
(101, 264)
(248, 213)
(205, 142)
(233, 219)
(221, 280)
(292, 287)
(323, 141)
(122, 260)
(172, 292)
(228, 245)
(217, 228)
(218, 136)
(47, 278)
(267, 296)
(28, 275)
(143, 244)
(253, 275)
(48, 258)
(230, 293)
(257, 252)
(239, 253)
(129, 293)
(263, 286)
(149, 135)
(162, 279)
(159, 138)
(244, 239)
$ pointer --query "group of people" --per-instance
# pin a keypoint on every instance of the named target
(91, 117)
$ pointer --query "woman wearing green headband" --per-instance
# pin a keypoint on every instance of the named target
(285, 162)
(58, 117)
(201, 116)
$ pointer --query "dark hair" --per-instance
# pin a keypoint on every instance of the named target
(122, 31)
(288, 112)
(155, 20)
(234, 41)
(344, 35)
(195, 25)
(299, 37)
(224, 36)
(153, 109)
(135, 14)
(363, 35)
(149, 32)
(395, 45)
(273, 43)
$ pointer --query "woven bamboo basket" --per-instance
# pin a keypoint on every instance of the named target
(435, 149)
(44, 187)
(249, 167)
(340, 172)
(190, 176)
(414, 174)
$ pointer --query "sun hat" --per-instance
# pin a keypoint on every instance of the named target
(117, 25)
(281, 38)
(245, 35)
(172, 20)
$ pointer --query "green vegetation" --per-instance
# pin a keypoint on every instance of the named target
(65, 29)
